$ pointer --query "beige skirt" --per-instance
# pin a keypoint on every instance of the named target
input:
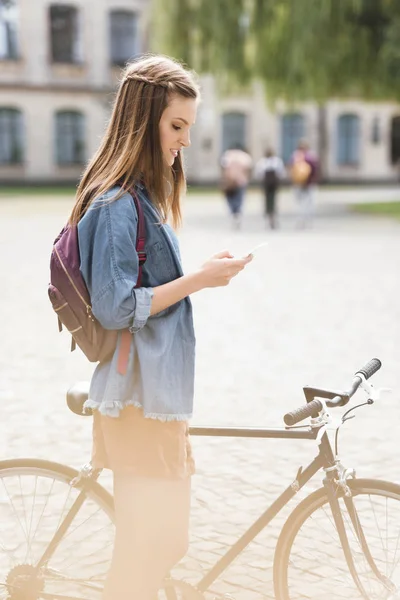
(145, 447)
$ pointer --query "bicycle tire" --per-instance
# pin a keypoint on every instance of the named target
(314, 566)
(70, 585)
(34, 496)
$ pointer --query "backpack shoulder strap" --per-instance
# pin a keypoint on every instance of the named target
(141, 235)
(126, 335)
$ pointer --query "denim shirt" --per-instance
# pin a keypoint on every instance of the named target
(160, 372)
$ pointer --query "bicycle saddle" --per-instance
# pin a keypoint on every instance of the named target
(76, 398)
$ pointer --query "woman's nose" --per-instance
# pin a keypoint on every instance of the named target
(185, 140)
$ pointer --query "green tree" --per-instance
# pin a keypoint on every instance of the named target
(300, 49)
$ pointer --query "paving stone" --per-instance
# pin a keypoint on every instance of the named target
(312, 307)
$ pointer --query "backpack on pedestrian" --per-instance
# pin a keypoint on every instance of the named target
(271, 179)
(300, 171)
(229, 181)
(70, 298)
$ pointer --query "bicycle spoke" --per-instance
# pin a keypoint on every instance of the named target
(70, 560)
(376, 519)
(43, 511)
(68, 566)
(386, 529)
(24, 513)
(34, 501)
(13, 508)
(317, 566)
(33, 504)
(395, 555)
(64, 508)
(73, 529)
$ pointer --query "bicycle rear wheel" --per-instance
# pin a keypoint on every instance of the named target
(309, 561)
(35, 496)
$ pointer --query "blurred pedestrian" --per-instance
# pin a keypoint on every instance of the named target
(236, 166)
(304, 176)
(270, 170)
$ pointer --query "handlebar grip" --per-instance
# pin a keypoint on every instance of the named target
(370, 368)
(303, 412)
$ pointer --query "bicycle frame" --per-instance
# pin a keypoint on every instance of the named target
(324, 459)
(302, 477)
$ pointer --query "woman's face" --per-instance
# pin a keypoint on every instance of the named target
(175, 124)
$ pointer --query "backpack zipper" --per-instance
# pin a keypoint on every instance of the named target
(88, 307)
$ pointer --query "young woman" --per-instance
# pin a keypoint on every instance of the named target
(140, 428)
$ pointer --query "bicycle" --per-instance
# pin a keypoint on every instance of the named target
(341, 540)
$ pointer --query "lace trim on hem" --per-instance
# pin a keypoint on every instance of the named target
(112, 408)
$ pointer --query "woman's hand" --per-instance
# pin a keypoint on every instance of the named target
(217, 271)
(220, 268)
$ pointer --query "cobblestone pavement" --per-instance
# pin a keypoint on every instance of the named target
(313, 306)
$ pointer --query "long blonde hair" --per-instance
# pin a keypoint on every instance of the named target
(131, 150)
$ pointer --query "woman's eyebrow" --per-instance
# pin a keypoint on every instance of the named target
(180, 119)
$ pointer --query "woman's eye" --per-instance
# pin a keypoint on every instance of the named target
(176, 127)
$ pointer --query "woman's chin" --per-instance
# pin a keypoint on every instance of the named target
(169, 160)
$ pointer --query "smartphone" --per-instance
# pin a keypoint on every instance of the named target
(256, 248)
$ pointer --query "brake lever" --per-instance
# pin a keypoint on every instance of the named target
(374, 394)
(325, 421)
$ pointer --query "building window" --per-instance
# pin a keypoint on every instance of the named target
(70, 138)
(348, 142)
(8, 29)
(65, 34)
(11, 137)
(123, 36)
(233, 131)
(395, 141)
(292, 131)
(376, 131)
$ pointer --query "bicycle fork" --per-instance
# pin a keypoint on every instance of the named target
(332, 487)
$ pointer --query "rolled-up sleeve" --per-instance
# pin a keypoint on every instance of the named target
(110, 265)
(142, 298)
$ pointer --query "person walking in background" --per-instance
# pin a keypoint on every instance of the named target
(140, 427)
(236, 165)
(270, 170)
(304, 176)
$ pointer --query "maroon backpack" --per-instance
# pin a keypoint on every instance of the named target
(71, 301)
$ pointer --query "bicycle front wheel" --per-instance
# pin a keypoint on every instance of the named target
(309, 560)
(35, 496)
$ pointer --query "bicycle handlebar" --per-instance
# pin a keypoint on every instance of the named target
(299, 414)
(370, 368)
(312, 408)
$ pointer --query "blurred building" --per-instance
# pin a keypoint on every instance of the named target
(356, 141)
(59, 65)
